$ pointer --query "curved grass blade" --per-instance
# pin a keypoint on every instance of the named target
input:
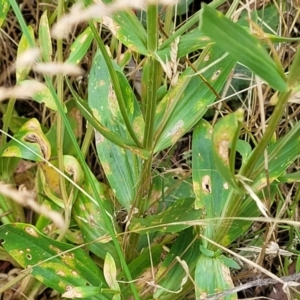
(243, 46)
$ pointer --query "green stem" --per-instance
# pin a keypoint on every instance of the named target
(151, 82)
(60, 130)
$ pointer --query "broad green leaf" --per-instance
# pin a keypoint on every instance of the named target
(225, 137)
(210, 187)
(171, 274)
(55, 264)
(104, 132)
(186, 103)
(43, 95)
(121, 166)
(126, 27)
(170, 220)
(211, 277)
(167, 188)
(189, 42)
(5, 5)
(90, 221)
(30, 136)
(80, 46)
(243, 46)
(45, 38)
(21, 70)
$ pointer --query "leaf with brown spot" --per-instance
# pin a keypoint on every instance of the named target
(52, 262)
(225, 137)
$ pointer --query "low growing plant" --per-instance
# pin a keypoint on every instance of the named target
(141, 233)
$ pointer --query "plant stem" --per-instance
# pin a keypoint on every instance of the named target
(151, 83)
(60, 129)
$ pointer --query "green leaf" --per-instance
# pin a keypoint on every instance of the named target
(225, 137)
(210, 188)
(90, 221)
(5, 5)
(188, 43)
(179, 212)
(211, 277)
(243, 46)
(43, 95)
(24, 44)
(80, 46)
(121, 167)
(107, 133)
(126, 27)
(55, 264)
(186, 103)
(45, 37)
(207, 252)
(172, 274)
(229, 262)
(281, 155)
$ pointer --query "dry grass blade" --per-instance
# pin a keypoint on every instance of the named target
(26, 198)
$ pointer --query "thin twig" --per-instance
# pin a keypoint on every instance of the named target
(258, 282)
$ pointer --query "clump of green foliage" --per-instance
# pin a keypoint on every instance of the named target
(141, 233)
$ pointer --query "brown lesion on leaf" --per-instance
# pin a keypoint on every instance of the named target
(206, 184)
(223, 150)
(31, 231)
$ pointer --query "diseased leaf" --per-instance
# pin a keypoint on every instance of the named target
(179, 212)
(55, 264)
(186, 103)
(225, 137)
(30, 140)
(88, 216)
(211, 277)
(110, 272)
(172, 272)
(80, 46)
(121, 166)
(128, 30)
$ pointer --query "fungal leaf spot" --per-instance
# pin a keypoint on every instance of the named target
(216, 75)
(206, 184)
(31, 231)
(223, 150)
